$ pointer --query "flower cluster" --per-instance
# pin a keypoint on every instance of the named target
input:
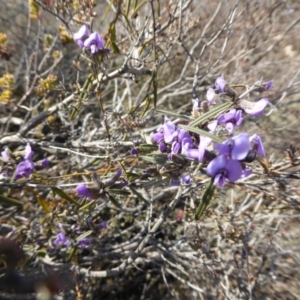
(26, 167)
(225, 160)
(85, 39)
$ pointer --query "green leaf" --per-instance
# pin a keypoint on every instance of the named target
(173, 114)
(119, 192)
(64, 195)
(41, 201)
(147, 148)
(201, 132)
(10, 201)
(127, 8)
(154, 83)
(148, 101)
(161, 159)
(139, 195)
(114, 201)
(205, 199)
(84, 235)
(137, 8)
(156, 182)
(212, 113)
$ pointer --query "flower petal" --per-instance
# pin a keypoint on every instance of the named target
(220, 84)
(210, 96)
(216, 165)
(233, 170)
(257, 108)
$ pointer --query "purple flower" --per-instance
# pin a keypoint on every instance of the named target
(210, 96)
(257, 145)
(133, 151)
(82, 190)
(24, 168)
(45, 163)
(5, 156)
(220, 84)
(237, 147)
(28, 152)
(81, 35)
(157, 137)
(221, 168)
(103, 225)
(258, 107)
(199, 153)
(186, 178)
(94, 42)
(268, 85)
(232, 119)
(62, 239)
(84, 242)
(169, 132)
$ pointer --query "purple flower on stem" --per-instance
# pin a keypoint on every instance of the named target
(28, 152)
(220, 84)
(186, 178)
(81, 35)
(84, 242)
(5, 156)
(210, 96)
(82, 190)
(24, 168)
(199, 153)
(232, 119)
(257, 108)
(62, 239)
(94, 42)
(222, 168)
(257, 145)
(236, 147)
(45, 163)
(268, 85)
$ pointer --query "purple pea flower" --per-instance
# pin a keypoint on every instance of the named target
(24, 168)
(257, 107)
(231, 119)
(210, 96)
(45, 163)
(82, 190)
(236, 147)
(199, 153)
(5, 156)
(62, 239)
(81, 35)
(186, 178)
(268, 85)
(28, 152)
(257, 145)
(220, 84)
(84, 242)
(94, 42)
(222, 168)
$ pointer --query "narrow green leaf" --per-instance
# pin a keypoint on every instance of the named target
(114, 201)
(41, 201)
(10, 201)
(119, 192)
(154, 83)
(156, 182)
(212, 113)
(201, 132)
(205, 199)
(108, 9)
(139, 195)
(137, 8)
(127, 8)
(148, 101)
(161, 159)
(147, 148)
(64, 195)
(84, 235)
(174, 114)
